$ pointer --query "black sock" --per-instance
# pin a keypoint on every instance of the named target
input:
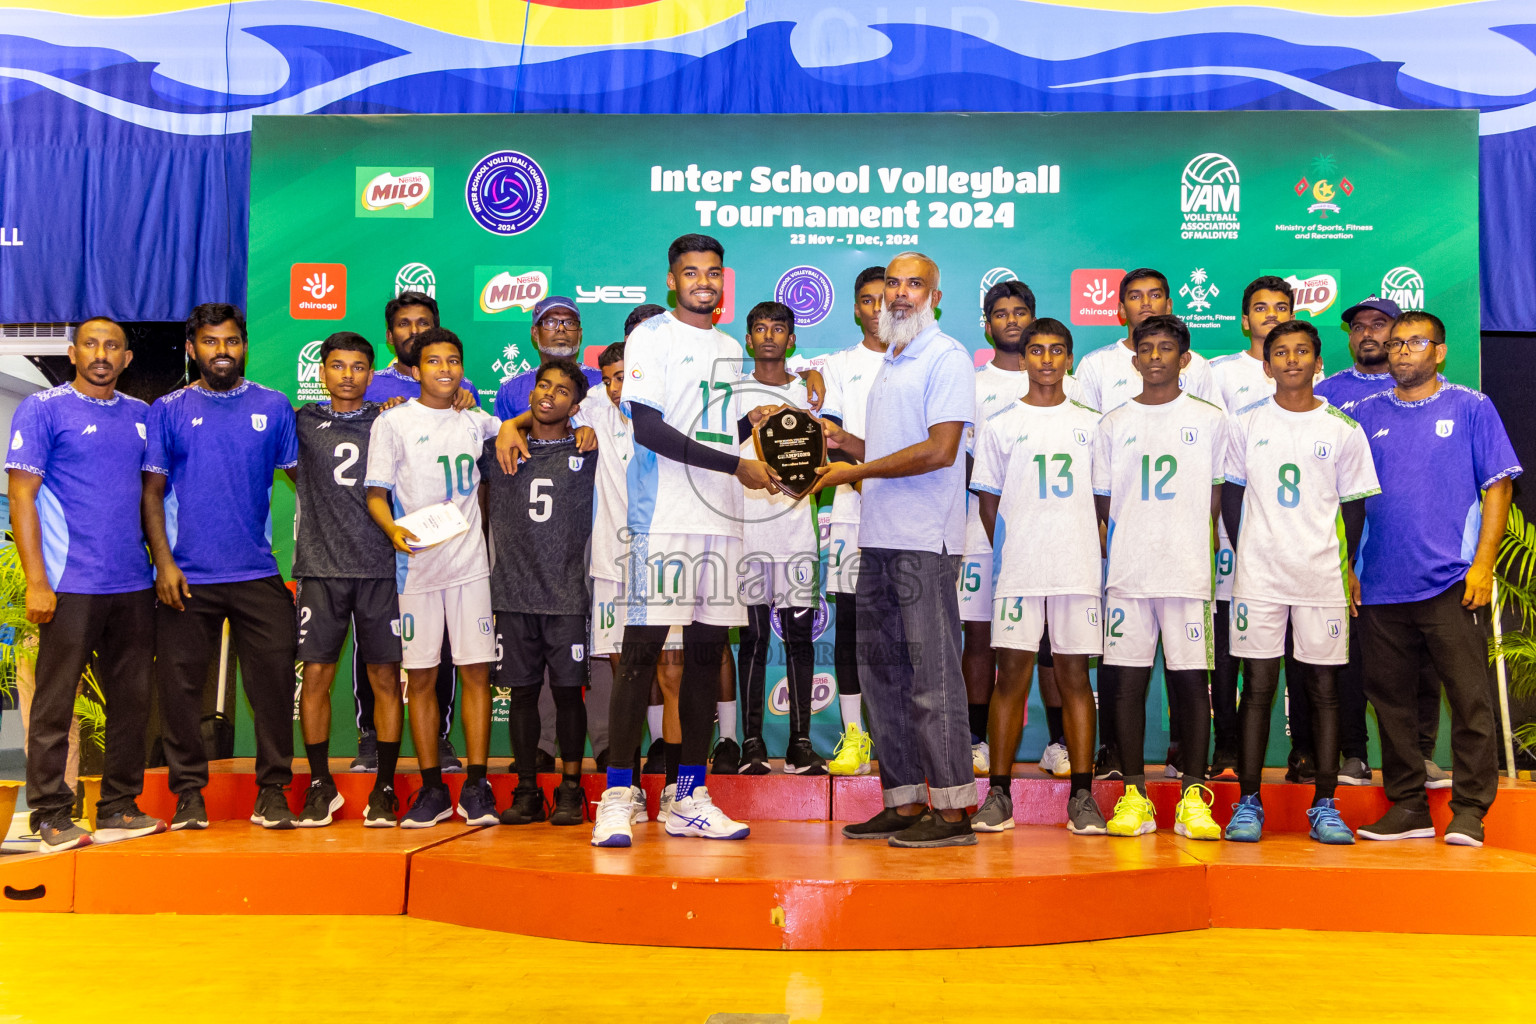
(431, 777)
(389, 756)
(1002, 781)
(1053, 725)
(319, 755)
(674, 758)
(474, 773)
(574, 778)
(978, 713)
(1082, 781)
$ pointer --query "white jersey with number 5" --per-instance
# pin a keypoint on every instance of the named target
(1297, 467)
(1157, 464)
(690, 375)
(1040, 461)
(426, 456)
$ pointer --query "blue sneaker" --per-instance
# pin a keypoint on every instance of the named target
(1327, 827)
(432, 805)
(477, 804)
(1247, 824)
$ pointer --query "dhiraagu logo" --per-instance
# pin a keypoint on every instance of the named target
(394, 192)
(509, 293)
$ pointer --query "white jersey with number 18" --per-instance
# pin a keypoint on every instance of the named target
(690, 375)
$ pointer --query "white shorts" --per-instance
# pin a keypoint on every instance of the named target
(974, 588)
(608, 620)
(780, 584)
(465, 611)
(1074, 623)
(842, 546)
(1319, 636)
(1132, 625)
(678, 578)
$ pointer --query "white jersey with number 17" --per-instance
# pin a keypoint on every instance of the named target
(1157, 464)
(690, 375)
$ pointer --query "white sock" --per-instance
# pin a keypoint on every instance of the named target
(851, 705)
(726, 711)
(653, 721)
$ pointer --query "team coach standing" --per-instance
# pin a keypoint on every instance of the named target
(911, 539)
(1432, 536)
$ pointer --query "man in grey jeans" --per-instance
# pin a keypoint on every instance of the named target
(911, 538)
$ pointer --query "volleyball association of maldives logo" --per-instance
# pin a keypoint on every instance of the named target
(808, 292)
(507, 192)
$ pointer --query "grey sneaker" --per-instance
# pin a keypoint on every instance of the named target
(1354, 772)
(367, 759)
(1435, 777)
(1465, 830)
(1084, 817)
(995, 813)
(447, 757)
(60, 833)
(126, 823)
(272, 809)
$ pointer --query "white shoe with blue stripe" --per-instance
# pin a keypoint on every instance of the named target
(614, 812)
(696, 815)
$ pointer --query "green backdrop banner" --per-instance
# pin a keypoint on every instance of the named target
(489, 213)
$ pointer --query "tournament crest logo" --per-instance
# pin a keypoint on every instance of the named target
(1335, 627)
(1189, 435)
(1093, 617)
(1080, 435)
(808, 292)
(258, 421)
(1443, 428)
(1192, 630)
(576, 462)
(506, 192)
(1321, 449)
(143, 435)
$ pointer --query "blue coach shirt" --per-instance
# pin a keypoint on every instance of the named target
(931, 381)
(1434, 459)
(89, 453)
(512, 397)
(391, 382)
(218, 451)
(1346, 389)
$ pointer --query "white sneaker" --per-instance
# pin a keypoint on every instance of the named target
(637, 812)
(664, 805)
(981, 759)
(1170, 772)
(613, 813)
(1054, 761)
(697, 815)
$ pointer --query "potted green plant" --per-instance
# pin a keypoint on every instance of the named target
(17, 641)
(1515, 572)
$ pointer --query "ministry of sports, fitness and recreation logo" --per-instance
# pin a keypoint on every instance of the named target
(509, 293)
(416, 277)
(506, 192)
(808, 292)
(1199, 294)
(1095, 296)
(310, 387)
(512, 362)
(1327, 188)
(388, 192)
(1404, 286)
(1210, 197)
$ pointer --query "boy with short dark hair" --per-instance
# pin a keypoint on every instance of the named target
(541, 524)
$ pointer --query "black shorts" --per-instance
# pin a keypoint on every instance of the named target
(327, 606)
(527, 644)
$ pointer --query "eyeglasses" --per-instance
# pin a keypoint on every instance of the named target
(551, 324)
(1411, 344)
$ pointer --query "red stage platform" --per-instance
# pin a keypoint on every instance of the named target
(797, 884)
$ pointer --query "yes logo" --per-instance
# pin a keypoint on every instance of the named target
(317, 291)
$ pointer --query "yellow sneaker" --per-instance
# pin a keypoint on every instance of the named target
(852, 754)
(1133, 815)
(1193, 815)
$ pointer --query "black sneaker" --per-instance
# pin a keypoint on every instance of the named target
(1301, 769)
(272, 809)
(882, 826)
(383, 808)
(801, 758)
(447, 758)
(527, 806)
(655, 760)
(726, 759)
(1399, 823)
(432, 805)
(191, 812)
(477, 803)
(1106, 766)
(367, 759)
(320, 803)
(59, 833)
(931, 831)
(1464, 830)
(1223, 765)
(600, 760)
(545, 762)
(754, 757)
(127, 822)
(1354, 772)
(570, 804)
